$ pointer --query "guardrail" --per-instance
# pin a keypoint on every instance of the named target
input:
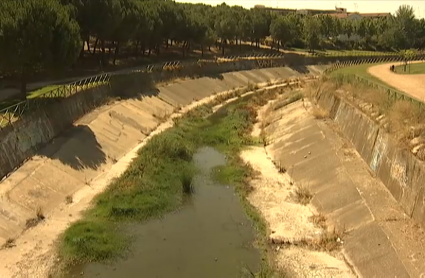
(10, 114)
(394, 58)
(14, 112)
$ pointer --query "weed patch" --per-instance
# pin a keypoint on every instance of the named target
(32, 222)
(161, 175)
(319, 220)
(303, 195)
(319, 113)
(10, 243)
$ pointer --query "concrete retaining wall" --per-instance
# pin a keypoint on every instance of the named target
(22, 139)
(401, 172)
(34, 129)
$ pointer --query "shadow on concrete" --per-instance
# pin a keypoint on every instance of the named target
(300, 69)
(140, 84)
(77, 147)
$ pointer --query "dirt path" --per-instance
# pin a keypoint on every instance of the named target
(412, 84)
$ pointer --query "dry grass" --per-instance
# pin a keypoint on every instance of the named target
(319, 220)
(328, 241)
(313, 90)
(403, 117)
(10, 243)
(319, 113)
(303, 195)
(39, 216)
(69, 199)
(161, 116)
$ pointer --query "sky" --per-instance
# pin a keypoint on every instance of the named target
(362, 6)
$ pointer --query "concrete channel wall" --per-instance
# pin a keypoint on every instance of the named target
(33, 130)
(401, 172)
(25, 137)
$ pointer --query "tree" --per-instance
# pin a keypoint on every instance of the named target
(36, 35)
(225, 25)
(281, 30)
(260, 25)
(128, 26)
(311, 32)
(404, 23)
(106, 16)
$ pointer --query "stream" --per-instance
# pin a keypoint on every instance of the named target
(210, 236)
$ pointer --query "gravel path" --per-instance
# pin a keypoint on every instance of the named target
(412, 84)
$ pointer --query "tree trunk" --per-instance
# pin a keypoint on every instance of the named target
(143, 48)
(82, 51)
(117, 49)
(150, 50)
(23, 95)
(222, 47)
(136, 48)
(88, 45)
(202, 50)
(183, 48)
(102, 58)
(158, 49)
(209, 48)
(95, 46)
(110, 49)
(166, 44)
(240, 44)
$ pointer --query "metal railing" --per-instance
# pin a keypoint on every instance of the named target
(16, 111)
(378, 60)
(12, 113)
(393, 94)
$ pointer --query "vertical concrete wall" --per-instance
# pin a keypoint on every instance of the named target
(401, 172)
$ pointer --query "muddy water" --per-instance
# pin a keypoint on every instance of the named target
(209, 237)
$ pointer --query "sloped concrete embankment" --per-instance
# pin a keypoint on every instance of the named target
(379, 239)
(401, 172)
(34, 130)
(83, 153)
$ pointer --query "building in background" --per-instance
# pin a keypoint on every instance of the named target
(338, 12)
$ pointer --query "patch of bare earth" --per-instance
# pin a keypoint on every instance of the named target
(297, 232)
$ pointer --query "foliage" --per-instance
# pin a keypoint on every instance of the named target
(40, 35)
(36, 34)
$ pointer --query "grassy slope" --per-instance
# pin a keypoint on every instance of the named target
(336, 53)
(417, 68)
(361, 71)
(154, 183)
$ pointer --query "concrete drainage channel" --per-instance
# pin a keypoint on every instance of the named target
(60, 180)
(365, 202)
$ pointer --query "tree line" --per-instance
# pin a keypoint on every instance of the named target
(396, 32)
(45, 34)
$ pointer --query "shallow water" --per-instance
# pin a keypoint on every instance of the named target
(210, 236)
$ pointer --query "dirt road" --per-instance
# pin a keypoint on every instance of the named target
(412, 84)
